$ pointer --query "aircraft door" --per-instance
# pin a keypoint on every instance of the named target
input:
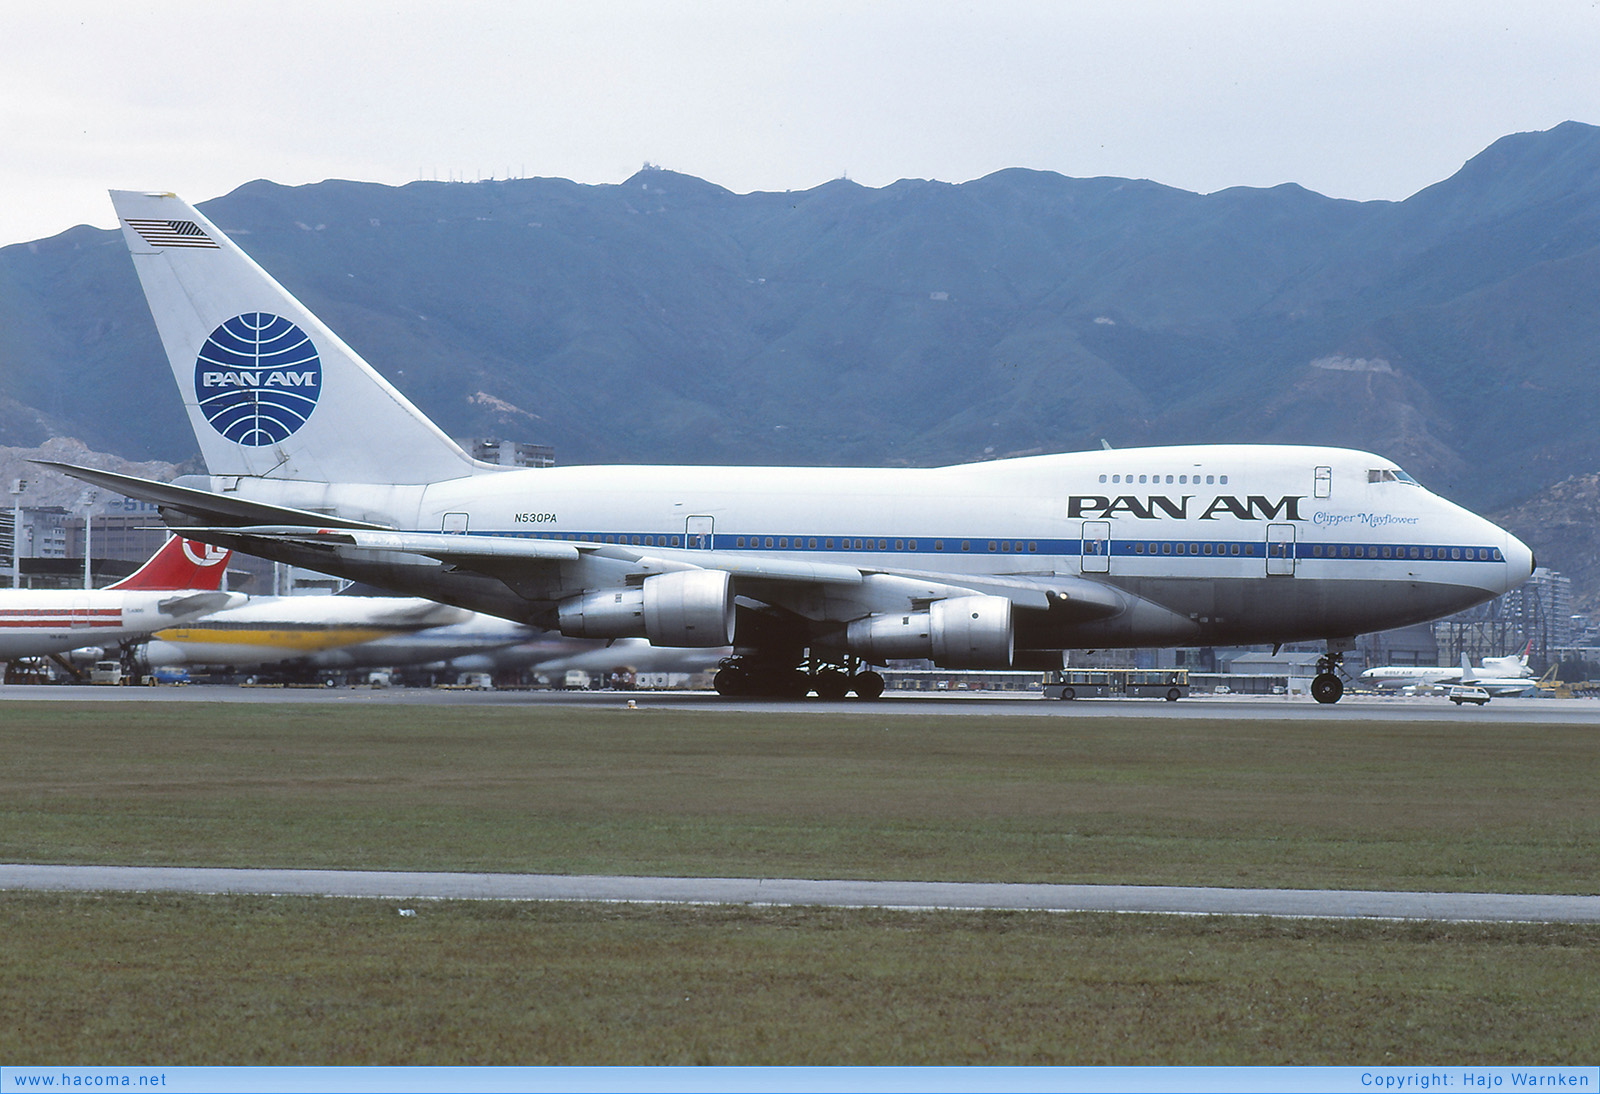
(79, 620)
(701, 533)
(454, 522)
(1323, 481)
(1096, 556)
(1280, 550)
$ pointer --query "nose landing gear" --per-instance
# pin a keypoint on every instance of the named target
(1328, 685)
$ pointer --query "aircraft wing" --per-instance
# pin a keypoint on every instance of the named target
(764, 579)
(789, 584)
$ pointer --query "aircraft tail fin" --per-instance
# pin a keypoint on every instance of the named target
(270, 390)
(180, 564)
(1467, 674)
(1513, 665)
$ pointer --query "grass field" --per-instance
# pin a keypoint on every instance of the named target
(1453, 805)
(191, 980)
(1449, 805)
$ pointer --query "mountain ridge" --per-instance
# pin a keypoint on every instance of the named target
(667, 319)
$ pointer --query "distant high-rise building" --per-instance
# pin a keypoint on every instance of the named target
(1539, 610)
(511, 453)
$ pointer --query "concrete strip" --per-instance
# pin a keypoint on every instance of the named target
(1180, 900)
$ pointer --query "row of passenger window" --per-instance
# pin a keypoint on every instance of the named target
(1454, 554)
(847, 543)
(813, 543)
(1157, 480)
(1248, 549)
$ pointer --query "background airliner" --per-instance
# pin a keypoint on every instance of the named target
(1506, 671)
(180, 582)
(311, 634)
(812, 573)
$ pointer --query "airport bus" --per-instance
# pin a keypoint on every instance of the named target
(1168, 684)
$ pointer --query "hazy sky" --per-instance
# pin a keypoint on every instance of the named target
(1358, 99)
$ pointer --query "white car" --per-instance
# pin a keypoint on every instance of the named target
(1459, 695)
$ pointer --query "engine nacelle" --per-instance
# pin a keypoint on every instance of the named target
(681, 608)
(964, 632)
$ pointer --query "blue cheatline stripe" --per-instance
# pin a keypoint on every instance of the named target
(1323, 551)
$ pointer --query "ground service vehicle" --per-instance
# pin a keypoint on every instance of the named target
(1168, 684)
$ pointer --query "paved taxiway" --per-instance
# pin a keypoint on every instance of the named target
(922, 704)
(1159, 899)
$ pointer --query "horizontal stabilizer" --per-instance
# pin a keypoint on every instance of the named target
(200, 603)
(208, 507)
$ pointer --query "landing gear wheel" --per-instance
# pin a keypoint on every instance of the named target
(867, 685)
(731, 682)
(832, 685)
(1326, 688)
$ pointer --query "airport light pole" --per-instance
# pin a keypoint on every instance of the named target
(87, 500)
(17, 487)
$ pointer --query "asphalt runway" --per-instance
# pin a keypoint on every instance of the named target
(922, 704)
(792, 892)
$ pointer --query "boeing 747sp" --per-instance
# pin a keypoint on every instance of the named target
(813, 574)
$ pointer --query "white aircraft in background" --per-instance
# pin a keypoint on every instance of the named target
(344, 632)
(811, 573)
(180, 582)
(1494, 685)
(1394, 677)
(273, 630)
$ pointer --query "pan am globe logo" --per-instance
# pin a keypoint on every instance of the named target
(257, 379)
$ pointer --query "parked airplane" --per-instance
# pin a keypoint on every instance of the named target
(180, 582)
(1495, 685)
(338, 633)
(275, 630)
(813, 573)
(1394, 677)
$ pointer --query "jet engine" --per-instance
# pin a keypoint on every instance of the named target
(964, 632)
(681, 608)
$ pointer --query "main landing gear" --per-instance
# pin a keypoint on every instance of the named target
(745, 678)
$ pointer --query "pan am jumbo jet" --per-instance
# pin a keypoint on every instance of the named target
(812, 573)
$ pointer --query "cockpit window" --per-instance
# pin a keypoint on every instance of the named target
(1390, 474)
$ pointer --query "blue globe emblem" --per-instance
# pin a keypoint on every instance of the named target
(257, 379)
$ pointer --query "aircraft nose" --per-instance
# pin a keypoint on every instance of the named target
(1519, 562)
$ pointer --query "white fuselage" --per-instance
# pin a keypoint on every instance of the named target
(274, 629)
(37, 622)
(1234, 542)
